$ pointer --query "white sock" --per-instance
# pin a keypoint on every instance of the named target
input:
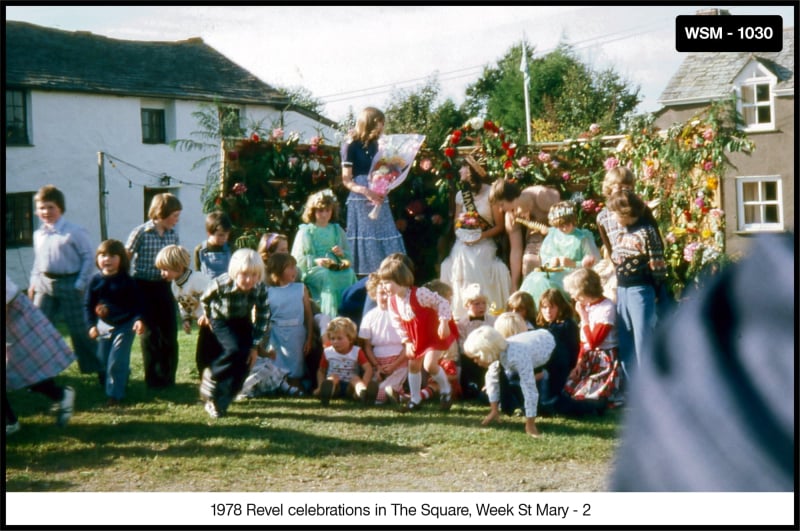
(414, 385)
(441, 378)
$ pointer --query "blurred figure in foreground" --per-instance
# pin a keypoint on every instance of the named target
(714, 409)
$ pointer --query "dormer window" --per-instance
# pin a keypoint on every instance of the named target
(754, 91)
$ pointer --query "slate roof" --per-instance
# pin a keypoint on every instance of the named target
(53, 59)
(710, 75)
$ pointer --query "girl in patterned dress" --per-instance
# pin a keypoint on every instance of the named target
(370, 240)
(322, 253)
(425, 323)
(522, 353)
(595, 378)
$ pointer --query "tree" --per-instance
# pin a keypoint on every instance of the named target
(565, 95)
(302, 97)
(416, 111)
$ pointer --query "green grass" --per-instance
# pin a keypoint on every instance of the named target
(164, 441)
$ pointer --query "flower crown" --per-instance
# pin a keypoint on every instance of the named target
(559, 211)
(321, 198)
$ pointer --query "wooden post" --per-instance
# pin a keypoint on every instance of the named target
(101, 183)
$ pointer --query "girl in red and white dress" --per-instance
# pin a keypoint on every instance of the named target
(425, 323)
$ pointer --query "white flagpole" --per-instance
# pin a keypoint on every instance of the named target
(526, 78)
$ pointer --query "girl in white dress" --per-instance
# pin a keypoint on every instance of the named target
(473, 258)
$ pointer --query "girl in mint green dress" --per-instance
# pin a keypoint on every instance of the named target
(564, 249)
(322, 253)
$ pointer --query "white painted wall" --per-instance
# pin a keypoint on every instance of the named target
(67, 131)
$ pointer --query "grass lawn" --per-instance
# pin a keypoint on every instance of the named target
(164, 441)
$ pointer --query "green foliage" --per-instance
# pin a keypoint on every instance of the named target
(302, 97)
(564, 94)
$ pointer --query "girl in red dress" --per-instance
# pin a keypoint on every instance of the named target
(424, 320)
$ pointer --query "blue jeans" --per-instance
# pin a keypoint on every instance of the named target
(114, 354)
(636, 322)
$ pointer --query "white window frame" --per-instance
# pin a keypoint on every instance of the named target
(761, 203)
(751, 76)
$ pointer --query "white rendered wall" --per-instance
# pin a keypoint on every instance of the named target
(67, 130)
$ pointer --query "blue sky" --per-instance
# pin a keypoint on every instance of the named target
(353, 56)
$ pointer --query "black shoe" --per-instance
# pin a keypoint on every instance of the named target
(326, 392)
(370, 394)
(409, 407)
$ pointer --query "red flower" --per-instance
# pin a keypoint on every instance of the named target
(283, 192)
(508, 164)
(449, 152)
(505, 145)
(489, 126)
(254, 137)
(457, 135)
(511, 152)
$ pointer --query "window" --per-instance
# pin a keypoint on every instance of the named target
(153, 129)
(16, 117)
(754, 91)
(19, 219)
(760, 203)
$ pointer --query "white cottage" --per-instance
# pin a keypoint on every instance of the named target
(71, 96)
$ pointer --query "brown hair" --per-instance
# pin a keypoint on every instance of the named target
(554, 297)
(504, 190)
(269, 243)
(522, 300)
(163, 206)
(320, 201)
(276, 265)
(441, 288)
(49, 193)
(367, 123)
(343, 324)
(396, 271)
(218, 220)
(627, 203)
(616, 179)
(114, 248)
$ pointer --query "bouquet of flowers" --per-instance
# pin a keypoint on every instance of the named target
(468, 226)
(392, 163)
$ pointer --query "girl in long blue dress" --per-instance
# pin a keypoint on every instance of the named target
(370, 240)
(322, 253)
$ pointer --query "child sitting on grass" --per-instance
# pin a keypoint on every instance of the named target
(338, 368)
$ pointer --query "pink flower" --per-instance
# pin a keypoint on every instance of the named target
(689, 250)
(594, 129)
(699, 202)
(716, 212)
(315, 141)
(649, 171)
(292, 161)
(566, 176)
(708, 135)
(313, 148)
(524, 162)
(611, 163)
(277, 133)
(708, 165)
(544, 157)
(670, 238)
(239, 189)
(589, 205)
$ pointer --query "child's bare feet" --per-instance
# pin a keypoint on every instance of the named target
(530, 427)
(493, 416)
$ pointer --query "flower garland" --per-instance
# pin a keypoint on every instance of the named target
(487, 140)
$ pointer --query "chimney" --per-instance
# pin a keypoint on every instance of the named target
(712, 11)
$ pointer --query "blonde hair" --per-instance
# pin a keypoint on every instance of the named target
(583, 281)
(473, 293)
(485, 344)
(246, 261)
(616, 179)
(510, 324)
(372, 286)
(320, 201)
(366, 125)
(173, 258)
(343, 324)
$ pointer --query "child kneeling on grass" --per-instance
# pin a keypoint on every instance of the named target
(522, 353)
(229, 303)
(338, 369)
